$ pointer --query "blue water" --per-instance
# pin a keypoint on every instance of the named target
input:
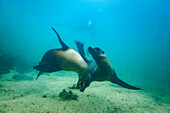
(135, 34)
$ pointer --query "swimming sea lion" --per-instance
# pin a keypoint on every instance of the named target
(65, 59)
(104, 71)
(99, 74)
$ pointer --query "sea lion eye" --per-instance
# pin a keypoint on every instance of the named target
(98, 50)
(102, 52)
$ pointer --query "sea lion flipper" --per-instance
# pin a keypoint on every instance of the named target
(38, 75)
(64, 46)
(46, 68)
(80, 47)
(116, 80)
(91, 63)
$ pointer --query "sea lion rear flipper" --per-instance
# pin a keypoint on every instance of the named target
(116, 80)
(64, 46)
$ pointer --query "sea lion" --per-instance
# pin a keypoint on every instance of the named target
(98, 76)
(65, 59)
(104, 71)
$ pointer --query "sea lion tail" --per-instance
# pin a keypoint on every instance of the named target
(64, 46)
(116, 80)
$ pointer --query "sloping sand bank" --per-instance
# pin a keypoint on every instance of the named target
(41, 96)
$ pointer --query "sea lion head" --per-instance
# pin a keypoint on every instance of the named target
(96, 52)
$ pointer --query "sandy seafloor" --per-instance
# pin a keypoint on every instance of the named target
(100, 97)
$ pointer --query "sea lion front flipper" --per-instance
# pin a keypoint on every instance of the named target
(45, 68)
(38, 75)
(64, 46)
(116, 80)
(80, 47)
(91, 63)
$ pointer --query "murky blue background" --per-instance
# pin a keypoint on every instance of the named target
(135, 34)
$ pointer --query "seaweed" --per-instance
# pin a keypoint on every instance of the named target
(64, 95)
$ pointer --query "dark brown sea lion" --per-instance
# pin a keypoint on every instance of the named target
(65, 59)
(104, 71)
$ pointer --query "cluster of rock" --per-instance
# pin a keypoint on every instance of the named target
(9, 61)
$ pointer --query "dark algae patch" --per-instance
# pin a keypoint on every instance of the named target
(64, 95)
(44, 96)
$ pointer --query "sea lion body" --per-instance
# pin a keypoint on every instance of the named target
(65, 59)
(103, 71)
(57, 59)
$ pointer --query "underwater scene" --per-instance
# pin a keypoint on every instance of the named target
(84, 56)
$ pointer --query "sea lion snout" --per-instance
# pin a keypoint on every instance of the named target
(95, 51)
(92, 50)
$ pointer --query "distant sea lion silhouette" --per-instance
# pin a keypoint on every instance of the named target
(104, 71)
(65, 59)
